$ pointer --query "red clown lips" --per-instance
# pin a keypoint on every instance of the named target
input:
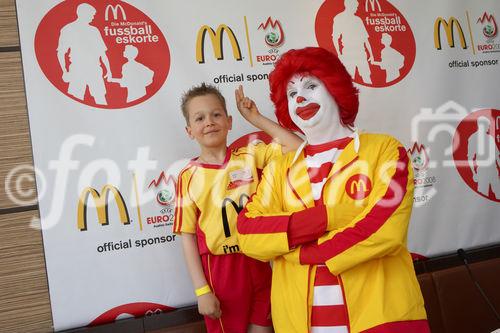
(308, 111)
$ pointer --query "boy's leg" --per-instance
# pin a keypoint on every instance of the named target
(229, 278)
(213, 325)
(260, 316)
(252, 328)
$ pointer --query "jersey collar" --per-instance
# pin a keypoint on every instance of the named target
(195, 162)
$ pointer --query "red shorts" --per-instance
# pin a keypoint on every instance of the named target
(243, 287)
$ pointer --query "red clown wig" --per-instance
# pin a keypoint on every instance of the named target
(325, 66)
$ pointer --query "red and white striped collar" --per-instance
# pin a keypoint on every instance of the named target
(355, 136)
(311, 150)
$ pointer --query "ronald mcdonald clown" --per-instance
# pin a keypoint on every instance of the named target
(333, 216)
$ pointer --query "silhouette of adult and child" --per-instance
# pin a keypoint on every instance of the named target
(350, 39)
(86, 50)
(484, 159)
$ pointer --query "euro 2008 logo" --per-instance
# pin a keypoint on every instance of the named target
(105, 54)
(371, 37)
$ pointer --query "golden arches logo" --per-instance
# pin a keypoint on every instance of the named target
(358, 186)
(216, 37)
(449, 27)
(101, 205)
(114, 11)
(373, 5)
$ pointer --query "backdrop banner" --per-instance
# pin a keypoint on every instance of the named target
(104, 80)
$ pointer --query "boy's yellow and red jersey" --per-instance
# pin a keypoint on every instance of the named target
(209, 197)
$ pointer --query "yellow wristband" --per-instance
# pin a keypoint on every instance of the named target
(203, 290)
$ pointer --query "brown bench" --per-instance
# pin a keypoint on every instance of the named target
(453, 302)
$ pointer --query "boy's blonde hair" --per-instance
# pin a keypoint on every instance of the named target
(200, 90)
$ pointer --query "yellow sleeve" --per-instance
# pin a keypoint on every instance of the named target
(265, 231)
(262, 225)
(380, 229)
(186, 211)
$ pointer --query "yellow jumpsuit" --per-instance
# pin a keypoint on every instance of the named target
(360, 233)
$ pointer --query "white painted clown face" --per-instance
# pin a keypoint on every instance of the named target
(311, 106)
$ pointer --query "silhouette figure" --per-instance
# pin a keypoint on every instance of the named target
(350, 32)
(391, 61)
(86, 50)
(484, 169)
(135, 76)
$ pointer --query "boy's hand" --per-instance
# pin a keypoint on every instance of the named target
(246, 106)
(209, 305)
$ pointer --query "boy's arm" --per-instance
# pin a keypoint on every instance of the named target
(186, 215)
(248, 109)
(208, 304)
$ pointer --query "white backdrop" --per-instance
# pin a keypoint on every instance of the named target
(101, 272)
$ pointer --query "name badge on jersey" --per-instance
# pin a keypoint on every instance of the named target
(239, 177)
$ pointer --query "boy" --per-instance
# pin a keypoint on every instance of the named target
(233, 290)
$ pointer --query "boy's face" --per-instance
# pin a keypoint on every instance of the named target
(208, 123)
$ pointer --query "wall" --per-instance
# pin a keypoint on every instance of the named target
(24, 297)
(24, 294)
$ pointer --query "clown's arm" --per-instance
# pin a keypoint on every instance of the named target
(265, 230)
(379, 230)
